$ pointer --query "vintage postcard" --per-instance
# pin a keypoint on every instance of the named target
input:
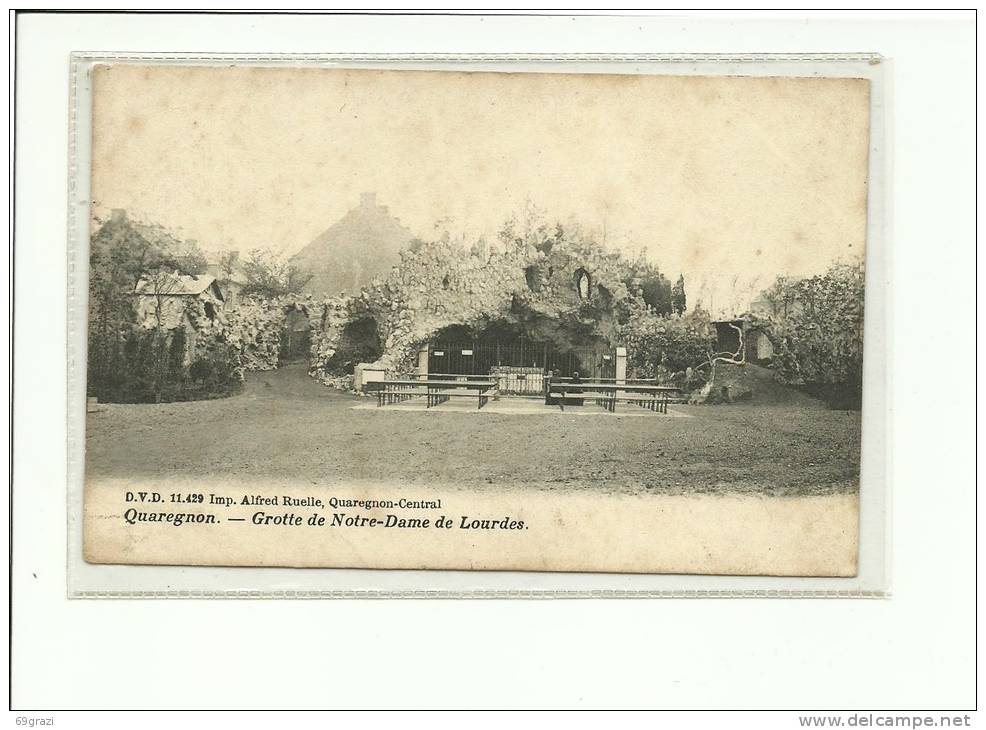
(409, 319)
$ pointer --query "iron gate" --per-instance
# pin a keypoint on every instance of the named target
(524, 361)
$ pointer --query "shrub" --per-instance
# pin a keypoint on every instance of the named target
(670, 344)
(817, 333)
(148, 366)
(201, 370)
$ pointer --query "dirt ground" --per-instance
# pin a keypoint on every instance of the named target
(285, 425)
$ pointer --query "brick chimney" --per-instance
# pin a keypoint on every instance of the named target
(368, 201)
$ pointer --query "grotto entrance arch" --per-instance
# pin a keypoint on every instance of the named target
(358, 342)
(296, 337)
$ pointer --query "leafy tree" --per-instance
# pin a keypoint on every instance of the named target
(678, 296)
(657, 344)
(781, 296)
(229, 263)
(530, 228)
(270, 276)
(188, 258)
(817, 332)
(124, 253)
(653, 287)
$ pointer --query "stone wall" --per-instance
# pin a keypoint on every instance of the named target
(531, 286)
(252, 327)
(547, 285)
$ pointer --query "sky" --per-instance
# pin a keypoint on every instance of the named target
(728, 180)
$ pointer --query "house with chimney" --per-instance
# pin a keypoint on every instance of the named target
(362, 245)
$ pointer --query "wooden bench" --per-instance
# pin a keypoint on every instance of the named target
(436, 392)
(651, 397)
(657, 403)
(387, 396)
(437, 397)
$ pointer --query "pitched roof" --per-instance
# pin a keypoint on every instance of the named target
(236, 276)
(174, 284)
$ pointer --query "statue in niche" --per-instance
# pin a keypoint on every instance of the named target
(583, 284)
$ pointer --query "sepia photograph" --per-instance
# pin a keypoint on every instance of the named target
(481, 360)
(476, 321)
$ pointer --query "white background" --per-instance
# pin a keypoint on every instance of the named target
(914, 650)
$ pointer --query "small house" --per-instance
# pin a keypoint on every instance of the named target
(162, 299)
(230, 283)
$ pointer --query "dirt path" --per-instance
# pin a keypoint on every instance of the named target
(286, 425)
